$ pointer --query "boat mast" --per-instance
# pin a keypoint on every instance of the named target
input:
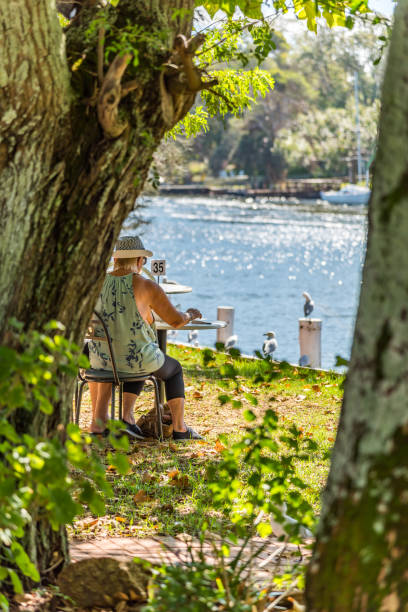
(359, 171)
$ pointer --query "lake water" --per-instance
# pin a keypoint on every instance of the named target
(259, 256)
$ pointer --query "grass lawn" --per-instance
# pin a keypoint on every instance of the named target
(166, 491)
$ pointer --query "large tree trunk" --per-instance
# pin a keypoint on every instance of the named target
(360, 558)
(65, 186)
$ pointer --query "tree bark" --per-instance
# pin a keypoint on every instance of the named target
(65, 186)
(359, 559)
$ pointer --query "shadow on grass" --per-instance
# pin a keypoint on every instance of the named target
(167, 490)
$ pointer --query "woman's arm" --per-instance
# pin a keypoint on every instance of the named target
(161, 304)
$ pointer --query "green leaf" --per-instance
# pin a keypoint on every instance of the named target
(249, 415)
(16, 582)
(8, 431)
(62, 505)
(23, 561)
(251, 398)
(74, 433)
(119, 442)
(341, 361)
(120, 462)
(4, 603)
(264, 529)
(224, 398)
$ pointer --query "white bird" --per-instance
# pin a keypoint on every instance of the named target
(231, 341)
(308, 305)
(270, 345)
(192, 335)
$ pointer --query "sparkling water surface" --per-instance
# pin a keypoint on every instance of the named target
(259, 256)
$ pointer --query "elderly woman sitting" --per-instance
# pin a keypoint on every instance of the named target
(126, 303)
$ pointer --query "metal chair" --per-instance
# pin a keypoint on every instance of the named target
(117, 379)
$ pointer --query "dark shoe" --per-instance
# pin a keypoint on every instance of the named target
(190, 434)
(133, 431)
(99, 434)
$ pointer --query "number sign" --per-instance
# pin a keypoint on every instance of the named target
(158, 267)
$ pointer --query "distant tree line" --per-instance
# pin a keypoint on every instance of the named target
(305, 127)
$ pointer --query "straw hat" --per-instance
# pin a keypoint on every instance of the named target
(130, 246)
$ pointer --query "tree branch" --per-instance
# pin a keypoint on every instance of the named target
(101, 40)
(110, 96)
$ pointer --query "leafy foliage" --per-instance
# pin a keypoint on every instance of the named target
(238, 89)
(339, 13)
(257, 475)
(199, 585)
(255, 479)
(35, 481)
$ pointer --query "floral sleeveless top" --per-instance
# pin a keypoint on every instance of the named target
(134, 341)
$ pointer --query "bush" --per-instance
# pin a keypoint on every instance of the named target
(35, 481)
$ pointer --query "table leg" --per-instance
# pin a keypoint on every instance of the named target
(162, 339)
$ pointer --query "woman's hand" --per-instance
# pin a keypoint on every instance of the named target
(194, 313)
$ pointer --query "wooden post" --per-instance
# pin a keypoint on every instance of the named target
(310, 341)
(225, 313)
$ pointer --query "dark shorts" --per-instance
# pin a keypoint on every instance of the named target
(170, 373)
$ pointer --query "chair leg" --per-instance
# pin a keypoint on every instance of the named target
(78, 399)
(120, 400)
(73, 408)
(113, 402)
(158, 410)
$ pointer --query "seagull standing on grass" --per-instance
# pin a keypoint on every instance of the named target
(270, 345)
(308, 305)
(192, 335)
(231, 341)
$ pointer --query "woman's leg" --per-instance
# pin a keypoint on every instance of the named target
(100, 396)
(176, 406)
(131, 391)
(171, 374)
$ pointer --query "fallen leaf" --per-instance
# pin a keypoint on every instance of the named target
(330, 439)
(174, 447)
(197, 395)
(111, 468)
(172, 474)
(141, 497)
(90, 524)
(147, 477)
(120, 519)
(316, 387)
(219, 447)
(180, 480)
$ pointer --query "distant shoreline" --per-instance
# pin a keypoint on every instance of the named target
(302, 189)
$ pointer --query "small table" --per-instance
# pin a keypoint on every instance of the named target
(174, 288)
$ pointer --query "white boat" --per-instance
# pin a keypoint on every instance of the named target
(349, 194)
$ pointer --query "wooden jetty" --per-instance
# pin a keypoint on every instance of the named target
(302, 189)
